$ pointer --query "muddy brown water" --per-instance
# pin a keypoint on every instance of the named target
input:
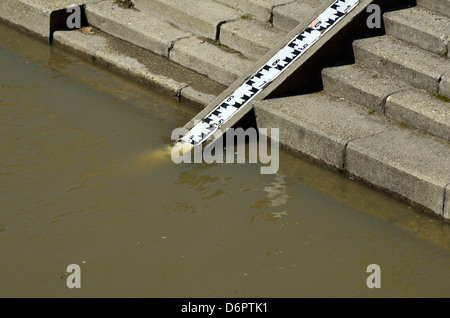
(77, 187)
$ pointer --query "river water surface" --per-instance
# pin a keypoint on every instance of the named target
(77, 187)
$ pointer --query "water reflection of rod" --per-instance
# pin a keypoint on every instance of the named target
(277, 191)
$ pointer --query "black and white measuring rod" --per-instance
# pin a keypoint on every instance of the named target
(205, 128)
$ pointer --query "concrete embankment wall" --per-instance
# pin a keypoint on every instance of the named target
(39, 17)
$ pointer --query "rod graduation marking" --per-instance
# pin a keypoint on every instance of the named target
(268, 73)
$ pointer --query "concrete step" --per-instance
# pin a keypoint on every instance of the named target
(159, 36)
(142, 65)
(209, 59)
(420, 27)
(250, 37)
(147, 31)
(288, 16)
(41, 18)
(440, 6)
(216, 21)
(361, 85)
(258, 9)
(202, 17)
(420, 110)
(369, 147)
(406, 62)
(386, 95)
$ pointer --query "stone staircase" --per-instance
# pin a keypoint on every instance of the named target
(385, 119)
(220, 39)
(403, 74)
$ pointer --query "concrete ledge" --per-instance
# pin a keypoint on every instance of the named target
(157, 35)
(141, 65)
(420, 27)
(360, 85)
(34, 16)
(415, 66)
(251, 38)
(318, 125)
(79, 43)
(209, 60)
(146, 31)
(291, 75)
(420, 110)
(412, 166)
(444, 86)
(389, 96)
(260, 9)
(132, 67)
(289, 15)
(27, 16)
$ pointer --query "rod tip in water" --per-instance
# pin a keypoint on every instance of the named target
(159, 157)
